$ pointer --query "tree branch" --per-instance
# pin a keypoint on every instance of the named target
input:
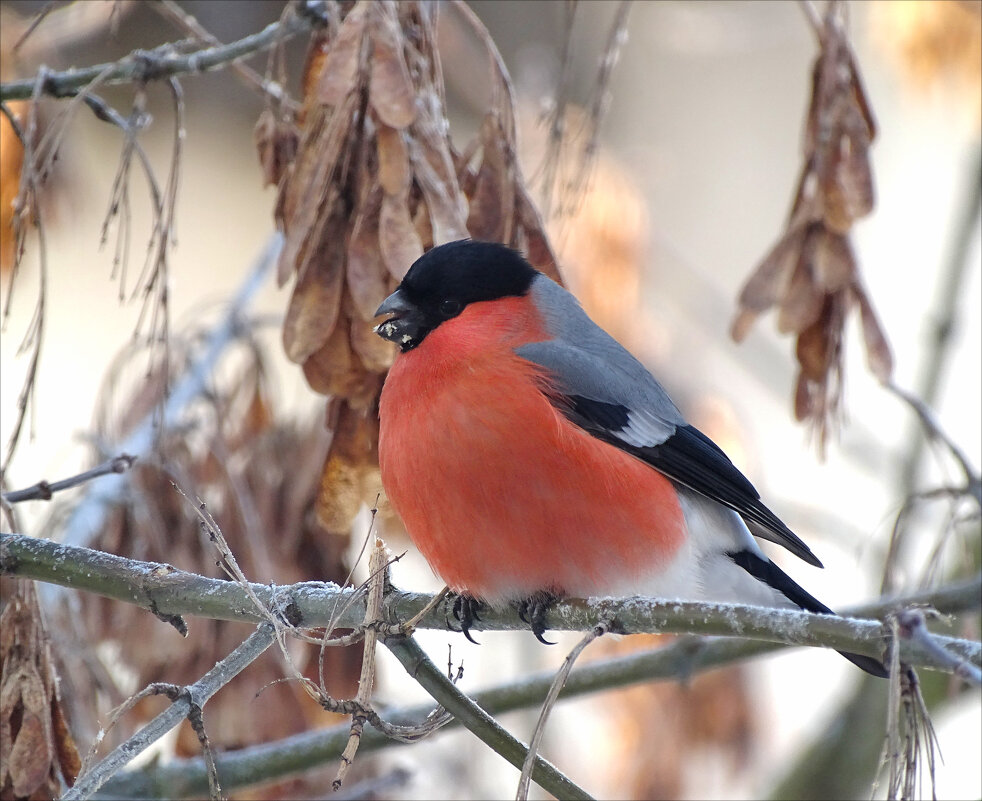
(470, 714)
(676, 661)
(162, 62)
(195, 697)
(166, 590)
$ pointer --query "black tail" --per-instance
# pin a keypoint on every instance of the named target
(766, 571)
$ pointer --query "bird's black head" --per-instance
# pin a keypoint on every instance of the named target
(444, 280)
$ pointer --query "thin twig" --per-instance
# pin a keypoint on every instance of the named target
(934, 431)
(162, 62)
(89, 515)
(172, 12)
(551, 697)
(950, 291)
(377, 563)
(195, 718)
(197, 694)
(813, 17)
(476, 720)
(28, 199)
(44, 490)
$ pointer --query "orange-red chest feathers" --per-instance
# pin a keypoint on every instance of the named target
(499, 491)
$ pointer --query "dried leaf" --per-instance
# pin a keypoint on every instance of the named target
(309, 200)
(340, 67)
(313, 68)
(537, 247)
(492, 203)
(833, 262)
(276, 142)
(814, 346)
(349, 465)
(375, 353)
(803, 300)
(770, 279)
(879, 358)
(313, 311)
(368, 281)
(848, 188)
(390, 93)
(393, 161)
(437, 179)
(36, 750)
(398, 240)
(804, 401)
(335, 370)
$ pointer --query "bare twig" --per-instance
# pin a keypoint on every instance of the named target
(154, 279)
(39, 17)
(28, 200)
(813, 17)
(934, 431)
(599, 106)
(377, 563)
(172, 12)
(552, 174)
(909, 734)
(44, 490)
(949, 294)
(553, 695)
(475, 719)
(912, 625)
(196, 694)
(88, 516)
(163, 62)
(195, 718)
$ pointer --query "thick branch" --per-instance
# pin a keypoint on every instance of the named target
(175, 592)
(161, 62)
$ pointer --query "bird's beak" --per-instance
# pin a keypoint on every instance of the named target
(404, 327)
(395, 304)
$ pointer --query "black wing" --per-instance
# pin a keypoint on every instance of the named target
(689, 457)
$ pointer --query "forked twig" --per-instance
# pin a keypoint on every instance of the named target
(162, 62)
(475, 719)
(934, 431)
(172, 12)
(198, 694)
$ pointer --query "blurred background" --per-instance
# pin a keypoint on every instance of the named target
(699, 154)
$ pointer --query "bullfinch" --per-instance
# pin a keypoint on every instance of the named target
(530, 456)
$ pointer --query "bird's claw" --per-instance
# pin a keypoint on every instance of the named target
(465, 610)
(532, 610)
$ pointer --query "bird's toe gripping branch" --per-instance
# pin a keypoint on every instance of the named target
(532, 610)
(465, 611)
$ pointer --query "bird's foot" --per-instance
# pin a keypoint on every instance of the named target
(532, 610)
(465, 611)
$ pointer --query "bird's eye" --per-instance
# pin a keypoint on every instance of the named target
(450, 308)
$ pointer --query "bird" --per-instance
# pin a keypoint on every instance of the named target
(531, 457)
